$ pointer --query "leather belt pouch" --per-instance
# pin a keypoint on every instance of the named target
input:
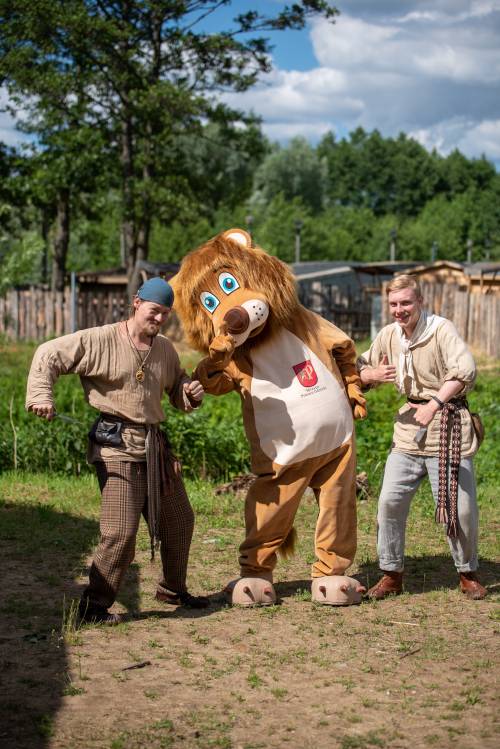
(107, 432)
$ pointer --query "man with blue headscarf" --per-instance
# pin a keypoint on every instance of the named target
(125, 368)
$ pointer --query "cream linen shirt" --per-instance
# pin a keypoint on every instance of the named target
(442, 357)
(104, 359)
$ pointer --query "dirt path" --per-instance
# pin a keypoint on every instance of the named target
(415, 671)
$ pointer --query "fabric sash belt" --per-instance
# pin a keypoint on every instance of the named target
(162, 469)
(447, 506)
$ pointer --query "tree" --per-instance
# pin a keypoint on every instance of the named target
(146, 75)
(297, 171)
(386, 175)
(221, 164)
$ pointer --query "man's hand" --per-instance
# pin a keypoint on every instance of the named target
(194, 390)
(385, 372)
(44, 410)
(424, 412)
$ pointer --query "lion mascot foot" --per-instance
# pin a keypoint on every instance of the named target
(337, 590)
(251, 591)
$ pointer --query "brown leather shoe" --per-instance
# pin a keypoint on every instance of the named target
(391, 584)
(471, 587)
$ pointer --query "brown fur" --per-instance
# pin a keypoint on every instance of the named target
(253, 268)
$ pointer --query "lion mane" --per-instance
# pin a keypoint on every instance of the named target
(253, 268)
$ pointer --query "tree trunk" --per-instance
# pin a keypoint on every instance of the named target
(61, 240)
(144, 221)
(128, 229)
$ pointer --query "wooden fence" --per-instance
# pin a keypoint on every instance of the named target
(476, 315)
(36, 313)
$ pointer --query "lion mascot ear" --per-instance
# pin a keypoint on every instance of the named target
(240, 236)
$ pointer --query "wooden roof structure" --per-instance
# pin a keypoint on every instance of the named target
(481, 277)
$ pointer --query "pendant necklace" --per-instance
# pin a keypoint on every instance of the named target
(139, 375)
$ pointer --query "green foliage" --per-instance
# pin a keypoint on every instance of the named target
(275, 227)
(210, 442)
(295, 172)
(20, 259)
(138, 83)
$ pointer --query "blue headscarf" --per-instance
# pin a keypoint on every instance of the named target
(156, 290)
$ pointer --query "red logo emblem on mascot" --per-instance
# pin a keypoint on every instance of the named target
(306, 374)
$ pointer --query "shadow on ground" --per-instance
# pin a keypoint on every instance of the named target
(41, 553)
(422, 575)
(427, 573)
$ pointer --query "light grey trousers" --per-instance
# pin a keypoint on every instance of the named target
(403, 475)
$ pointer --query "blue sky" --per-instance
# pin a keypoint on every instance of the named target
(430, 68)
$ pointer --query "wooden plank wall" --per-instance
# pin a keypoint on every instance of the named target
(476, 316)
(36, 314)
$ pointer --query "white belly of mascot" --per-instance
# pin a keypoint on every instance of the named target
(295, 373)
(292, 388)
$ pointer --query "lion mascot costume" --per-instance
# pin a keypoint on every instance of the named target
(296, 376)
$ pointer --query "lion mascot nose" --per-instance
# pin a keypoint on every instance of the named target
(237, 320)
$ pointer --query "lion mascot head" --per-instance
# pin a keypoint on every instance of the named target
(227, 285)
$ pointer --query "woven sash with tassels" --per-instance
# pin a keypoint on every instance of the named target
(162, 470)
(447, 507)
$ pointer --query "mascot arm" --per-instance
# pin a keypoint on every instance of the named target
(212, 371)
(215, 380)
(344, 354)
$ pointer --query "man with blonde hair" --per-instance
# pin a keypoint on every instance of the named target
(424, 356)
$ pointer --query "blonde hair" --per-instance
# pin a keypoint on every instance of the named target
(404, 281)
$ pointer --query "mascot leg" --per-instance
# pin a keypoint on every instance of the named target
(270, 508)
(259, 591)
(335, 489)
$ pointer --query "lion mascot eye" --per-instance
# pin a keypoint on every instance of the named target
(209, 301)
(228, 283)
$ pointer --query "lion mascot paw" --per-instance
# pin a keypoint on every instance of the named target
(251, 591)
(337, 590)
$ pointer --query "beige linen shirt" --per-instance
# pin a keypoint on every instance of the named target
(106, 362)
(442, 357)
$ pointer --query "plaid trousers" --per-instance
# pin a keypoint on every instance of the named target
(124, 492)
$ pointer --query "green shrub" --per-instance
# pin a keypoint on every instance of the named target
(210, 442)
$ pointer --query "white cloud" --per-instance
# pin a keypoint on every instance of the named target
(430, 68)
(471, 138)
(287, 130)
(351, 43)
(426, 67)
(300, 95)
(8, 132)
